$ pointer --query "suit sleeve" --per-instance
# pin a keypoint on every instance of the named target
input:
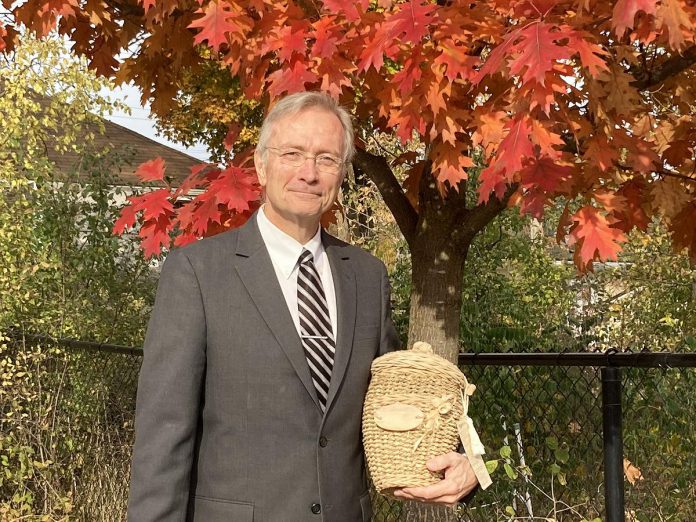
(169, 397)
(389, 339)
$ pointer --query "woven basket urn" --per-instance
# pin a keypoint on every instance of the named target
(412, 407)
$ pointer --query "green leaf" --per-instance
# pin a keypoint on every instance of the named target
(491, 466)
(555, 469)
(510, 511)
(552, 442)
(505, 452)
(510, 471)
(561, 455)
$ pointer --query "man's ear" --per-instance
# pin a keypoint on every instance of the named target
(260, 168)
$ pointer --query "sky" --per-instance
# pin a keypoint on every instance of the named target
(140, 121)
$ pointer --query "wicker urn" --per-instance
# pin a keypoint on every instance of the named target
(412, 409)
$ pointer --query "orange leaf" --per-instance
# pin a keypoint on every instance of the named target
(152, 170)
(235, 188)
(220, 19)
(449, 165)
(632, 473)
(538, 52)
(596, 238)
(671, 15)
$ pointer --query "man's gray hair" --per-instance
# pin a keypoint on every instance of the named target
(295, 103)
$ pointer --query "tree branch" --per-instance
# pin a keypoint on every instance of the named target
(670, 67)
(475, 219)
(377, 168)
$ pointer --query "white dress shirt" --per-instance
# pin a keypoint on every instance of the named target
(285, 252)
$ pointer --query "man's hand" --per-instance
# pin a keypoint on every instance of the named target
(459, 481)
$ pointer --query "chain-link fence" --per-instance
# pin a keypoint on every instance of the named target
(542, 425)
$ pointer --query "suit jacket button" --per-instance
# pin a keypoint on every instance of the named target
(323, 441)
(316, 509)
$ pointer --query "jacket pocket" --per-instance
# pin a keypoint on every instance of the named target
(366, 506)
(206, 509)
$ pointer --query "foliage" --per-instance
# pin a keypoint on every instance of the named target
(210, 107)
(62, 274)
(591, 100)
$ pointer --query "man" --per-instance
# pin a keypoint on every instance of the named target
(257, 356)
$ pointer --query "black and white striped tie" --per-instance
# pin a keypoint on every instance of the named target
(315, 326)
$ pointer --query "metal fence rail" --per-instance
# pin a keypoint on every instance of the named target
(540, 415)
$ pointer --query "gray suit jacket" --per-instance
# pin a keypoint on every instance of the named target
(228, 425)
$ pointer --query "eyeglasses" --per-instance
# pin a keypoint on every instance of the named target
(325, 163)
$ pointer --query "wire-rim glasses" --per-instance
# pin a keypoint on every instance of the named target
(324, 162)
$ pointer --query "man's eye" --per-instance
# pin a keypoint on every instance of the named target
(326, 160)
(291, 155)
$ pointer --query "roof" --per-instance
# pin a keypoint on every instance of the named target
(140, 149)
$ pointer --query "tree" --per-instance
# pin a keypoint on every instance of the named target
(64, 426)
(591, 102)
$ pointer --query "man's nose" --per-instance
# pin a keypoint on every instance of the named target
(308, 170)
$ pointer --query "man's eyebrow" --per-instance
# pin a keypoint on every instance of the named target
(304, 149)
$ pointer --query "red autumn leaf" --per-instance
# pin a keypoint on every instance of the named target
(290, 79)
(348, 9)
(147, 4)
(633, 214)
(449, 164)
(326, 37)
(684, 231)
(153, 204)
(406, 119)
(537, 52)
(334, 76)
(601, 153)
(514, 150)
(236, 188)
(3, 34)
(126, 220)
(545, 174)
(372, 54)
(184, 239)
(625, 12)
(152, 170)
(456, 62)
(232, 134)
(596, 238)
(409, 74)
(219, 20)
(410, 22)
(496, 58)
(590, 53)
(287, 41)
(515, 147)
(206, 212)
(154, 235)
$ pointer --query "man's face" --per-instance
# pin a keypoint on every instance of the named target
(300, 195)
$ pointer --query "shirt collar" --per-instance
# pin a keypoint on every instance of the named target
(285, 250)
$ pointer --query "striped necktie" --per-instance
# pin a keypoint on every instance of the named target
(315, 326)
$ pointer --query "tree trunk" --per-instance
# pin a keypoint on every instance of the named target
(436, 294)
(436, 301)
(439, 234)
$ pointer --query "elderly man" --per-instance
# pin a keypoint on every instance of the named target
(257, 356)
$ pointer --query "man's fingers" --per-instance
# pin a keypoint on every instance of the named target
(442, 462)
(432, 492)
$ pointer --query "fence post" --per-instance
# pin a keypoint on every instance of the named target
(613, 444)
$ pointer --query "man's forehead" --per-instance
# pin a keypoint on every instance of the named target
(290, 126)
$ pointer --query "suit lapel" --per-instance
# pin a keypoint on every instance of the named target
(255, 269)
(346, 302)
